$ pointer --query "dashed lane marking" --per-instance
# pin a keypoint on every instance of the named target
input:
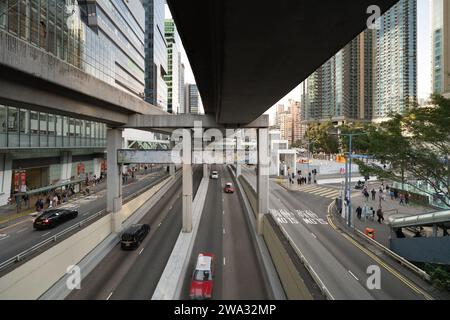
(352, 274)
(109, 296)
(140, 251)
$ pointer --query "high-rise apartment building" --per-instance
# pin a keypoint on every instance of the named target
(288, 121)
(155, 54)
(173, 67)
(373, 75)
(396, 60)
(441, 46)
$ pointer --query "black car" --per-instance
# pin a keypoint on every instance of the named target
(53, 217)
(133, 236)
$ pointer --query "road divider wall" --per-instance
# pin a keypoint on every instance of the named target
(36, 276)
(284, 258)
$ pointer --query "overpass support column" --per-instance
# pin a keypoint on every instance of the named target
(172, 166)
(205, 170)
(66, 166)
(262, 177)
(187, 181)
(114, 178)
(238, 153)
(435, 230)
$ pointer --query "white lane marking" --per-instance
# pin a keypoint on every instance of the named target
(170, 208)
(109, 295)
(45, 234)
(353, 275)
(159, 225)
(84, 214)
(223, 212)
(22, 230)
(4, 236)
(140, 251)
(223, 230)
(314, 235)
(224, 261)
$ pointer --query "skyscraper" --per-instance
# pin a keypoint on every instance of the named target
(181, 89)
(193, 99)
(341, 89)
(173, 66)
(373, 75)
(441, 46)
(155, 54)
(396, 60)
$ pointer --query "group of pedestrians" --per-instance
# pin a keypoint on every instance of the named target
(53, 199)
(301, 180)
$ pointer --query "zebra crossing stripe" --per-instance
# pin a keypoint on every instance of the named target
(324, 192)
(309, 189)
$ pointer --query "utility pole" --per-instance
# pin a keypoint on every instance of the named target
(348, 177)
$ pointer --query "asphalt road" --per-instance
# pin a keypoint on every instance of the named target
(340, 263)
(223, 231)
(16, 238)
(134, 275)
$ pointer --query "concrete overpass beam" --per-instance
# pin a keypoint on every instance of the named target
(262, 177)
(114, 178)
(187, 181)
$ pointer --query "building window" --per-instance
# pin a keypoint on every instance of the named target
(13, 119)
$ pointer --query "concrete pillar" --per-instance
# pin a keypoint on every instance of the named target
(66, 166)
(97, 167)
(187, 181)
(172, 168)
(5, 178)
(240, 155)
(435, 230)
(262, 177)
(205, 171)
(114, 178)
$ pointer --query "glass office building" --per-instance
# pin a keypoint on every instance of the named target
(173, 66)
(155, 54)
(104, 38)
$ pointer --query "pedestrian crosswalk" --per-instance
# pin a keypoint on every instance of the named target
(321, 191)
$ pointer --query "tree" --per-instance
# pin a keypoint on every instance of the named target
(321, 138)
(416, 144)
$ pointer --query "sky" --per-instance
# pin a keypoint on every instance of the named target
(423, 56)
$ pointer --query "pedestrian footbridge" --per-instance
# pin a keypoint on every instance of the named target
(422, 238)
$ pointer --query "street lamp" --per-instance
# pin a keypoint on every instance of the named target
(348, 173)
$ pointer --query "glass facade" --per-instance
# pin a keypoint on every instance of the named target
(156, 54)
(111, 50)
(173, 66)
(396, 60)
(438, 45)
(373, 75)
(24, 128)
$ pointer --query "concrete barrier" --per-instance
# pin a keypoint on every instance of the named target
(32, 279)
(283, 255)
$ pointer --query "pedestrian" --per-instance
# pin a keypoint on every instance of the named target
(373, 194)
(406, 198)
(373, 213)
(380, 215)
(55, 200)
(37, 205)
(366, 194)
(402, 199)
(395, 194)
(298, 180)
(359, 212)
(392, 193)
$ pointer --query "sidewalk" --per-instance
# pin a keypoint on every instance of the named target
(391, 209)
(9, 214)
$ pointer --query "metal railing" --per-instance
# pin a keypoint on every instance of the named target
(54, 238)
